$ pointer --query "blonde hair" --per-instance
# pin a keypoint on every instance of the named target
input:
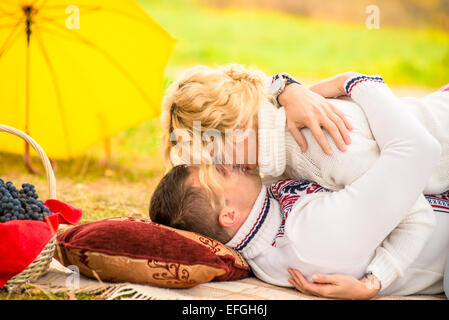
(222, 98)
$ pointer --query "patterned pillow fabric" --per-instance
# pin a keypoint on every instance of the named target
(128, 249)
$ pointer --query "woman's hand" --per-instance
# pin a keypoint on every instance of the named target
(337, 286)
(305, 108)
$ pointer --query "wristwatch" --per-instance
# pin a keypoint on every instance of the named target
(373, 281)
(279, 82)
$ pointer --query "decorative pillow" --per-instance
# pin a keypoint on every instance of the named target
(128, 249)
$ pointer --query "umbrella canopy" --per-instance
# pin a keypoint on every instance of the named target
(74, 72)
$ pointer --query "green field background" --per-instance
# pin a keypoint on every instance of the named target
(304, 47)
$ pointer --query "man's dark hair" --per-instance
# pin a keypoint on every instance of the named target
(178, 204)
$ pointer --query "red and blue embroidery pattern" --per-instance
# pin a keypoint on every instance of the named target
(354, 81)
(439, 202)
(287, 192)
(255, 228)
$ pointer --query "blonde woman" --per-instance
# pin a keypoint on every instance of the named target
(232, 97)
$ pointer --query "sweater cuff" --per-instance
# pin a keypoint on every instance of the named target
(356, 81)
(384, 268)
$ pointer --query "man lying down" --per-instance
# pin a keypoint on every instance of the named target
(254, 221)
(303, 226)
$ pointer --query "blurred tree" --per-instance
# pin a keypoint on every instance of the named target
(409, 13)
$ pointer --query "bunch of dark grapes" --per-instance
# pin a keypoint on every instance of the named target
(21, 204)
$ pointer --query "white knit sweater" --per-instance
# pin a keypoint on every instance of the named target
(279, 154)
(331, 237)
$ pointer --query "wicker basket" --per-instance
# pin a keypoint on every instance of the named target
(41, 264)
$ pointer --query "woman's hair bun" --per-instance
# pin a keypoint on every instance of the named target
(238, 72)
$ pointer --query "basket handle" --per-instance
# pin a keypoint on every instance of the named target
(45, 161)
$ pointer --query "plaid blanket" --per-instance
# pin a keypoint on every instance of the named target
(60, 279)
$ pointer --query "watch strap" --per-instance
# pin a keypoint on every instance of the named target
(285, 75)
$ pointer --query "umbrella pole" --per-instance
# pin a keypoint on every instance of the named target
(27, 157)
(107, 149)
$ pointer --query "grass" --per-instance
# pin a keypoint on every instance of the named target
(29, 292)
(304, 47)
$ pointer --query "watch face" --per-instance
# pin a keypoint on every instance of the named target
(276, 85)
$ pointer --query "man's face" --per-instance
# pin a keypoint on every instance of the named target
(242, 187)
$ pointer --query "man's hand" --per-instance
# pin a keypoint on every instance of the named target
(305, 108)
(337, 286)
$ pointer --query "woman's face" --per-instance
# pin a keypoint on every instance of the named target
(244, 147)
(234, 147)
(241, 187)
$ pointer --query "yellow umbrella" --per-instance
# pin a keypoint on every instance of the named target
(75, 72)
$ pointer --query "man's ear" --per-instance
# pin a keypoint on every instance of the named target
(228, 217)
